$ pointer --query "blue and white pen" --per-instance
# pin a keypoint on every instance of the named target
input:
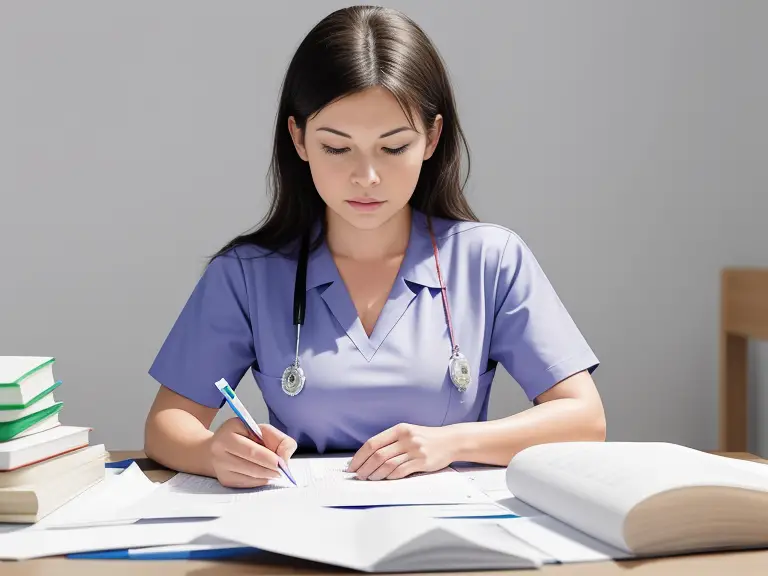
(247, 419)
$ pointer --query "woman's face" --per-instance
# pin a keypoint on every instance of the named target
(364, 157)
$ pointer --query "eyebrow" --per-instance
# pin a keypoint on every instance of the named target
(345, 135)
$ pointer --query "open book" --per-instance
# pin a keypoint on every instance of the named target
(646, 498)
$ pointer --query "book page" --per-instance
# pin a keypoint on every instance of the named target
(593, 485)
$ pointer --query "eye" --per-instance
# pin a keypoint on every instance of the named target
(330, 150)
(396, 151)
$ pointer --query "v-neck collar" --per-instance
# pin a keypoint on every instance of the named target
(417, 269)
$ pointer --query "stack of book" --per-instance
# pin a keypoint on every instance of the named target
(43, 464)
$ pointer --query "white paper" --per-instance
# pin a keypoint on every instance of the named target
(321, 481)
(478, 511)
(518, 507)
(489, 479)
(26, 544)
(352, 538)
(560, 542)
(100, 503)
(364, 539)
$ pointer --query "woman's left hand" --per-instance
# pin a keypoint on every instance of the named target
(402, 450)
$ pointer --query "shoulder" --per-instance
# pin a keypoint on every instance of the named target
(249, 255)
(247, 266)
(492, 242)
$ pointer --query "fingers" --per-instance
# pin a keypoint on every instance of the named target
(405, 469)
(237, 465)
(231, 479)
(385, 470)
(251, 451)
(278, 441)
(380, 458)
(372, 445)
(241, 460)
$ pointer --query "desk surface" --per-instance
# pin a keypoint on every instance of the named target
(753, 562)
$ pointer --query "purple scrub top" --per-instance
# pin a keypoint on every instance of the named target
(239, 317)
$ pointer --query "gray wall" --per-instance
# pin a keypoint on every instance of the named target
(625, 141)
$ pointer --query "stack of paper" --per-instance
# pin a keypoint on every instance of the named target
(42, 463)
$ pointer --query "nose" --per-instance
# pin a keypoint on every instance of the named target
(366, 176)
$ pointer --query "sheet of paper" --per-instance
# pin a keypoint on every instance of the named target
(483, 510)
(361, 539)
(559, 541)
(351, 538)
(100, 503)
(26, 544)
(321, 481)
(486, 478)
(518, 507)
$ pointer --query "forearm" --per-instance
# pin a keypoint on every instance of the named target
(178, 440)
(497, 441)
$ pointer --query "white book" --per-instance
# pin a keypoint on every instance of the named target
(32, 502)
(41, 446)
(22, 378)
(646, 498)
(52, 467)
(389, 539)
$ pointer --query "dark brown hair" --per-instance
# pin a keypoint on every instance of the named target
(349, 51)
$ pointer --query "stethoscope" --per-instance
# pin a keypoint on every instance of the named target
(293, 378)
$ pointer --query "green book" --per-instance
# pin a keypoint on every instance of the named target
(9, 430)
(40, 402)
(24, 380)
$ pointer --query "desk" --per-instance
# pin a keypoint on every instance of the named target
(753, 562)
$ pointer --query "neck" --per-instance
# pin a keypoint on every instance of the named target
(388, 240)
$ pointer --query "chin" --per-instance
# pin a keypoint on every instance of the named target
(365, 220)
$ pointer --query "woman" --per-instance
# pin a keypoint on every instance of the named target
(408, 301)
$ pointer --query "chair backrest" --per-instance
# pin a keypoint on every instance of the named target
(743, 316)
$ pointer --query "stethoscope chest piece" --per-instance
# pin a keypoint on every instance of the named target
(293, 379)
(459, 370)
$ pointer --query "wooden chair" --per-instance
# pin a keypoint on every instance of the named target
(744, 316)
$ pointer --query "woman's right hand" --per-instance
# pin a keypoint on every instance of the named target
(240, 460)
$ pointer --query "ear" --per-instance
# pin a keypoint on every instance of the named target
(298, 138)
(433, 136)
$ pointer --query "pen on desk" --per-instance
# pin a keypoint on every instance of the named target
(247, 419)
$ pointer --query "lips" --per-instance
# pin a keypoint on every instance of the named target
(365, 204)
(365, 200)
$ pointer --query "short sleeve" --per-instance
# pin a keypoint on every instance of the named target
(212, 337)
(534, 336)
